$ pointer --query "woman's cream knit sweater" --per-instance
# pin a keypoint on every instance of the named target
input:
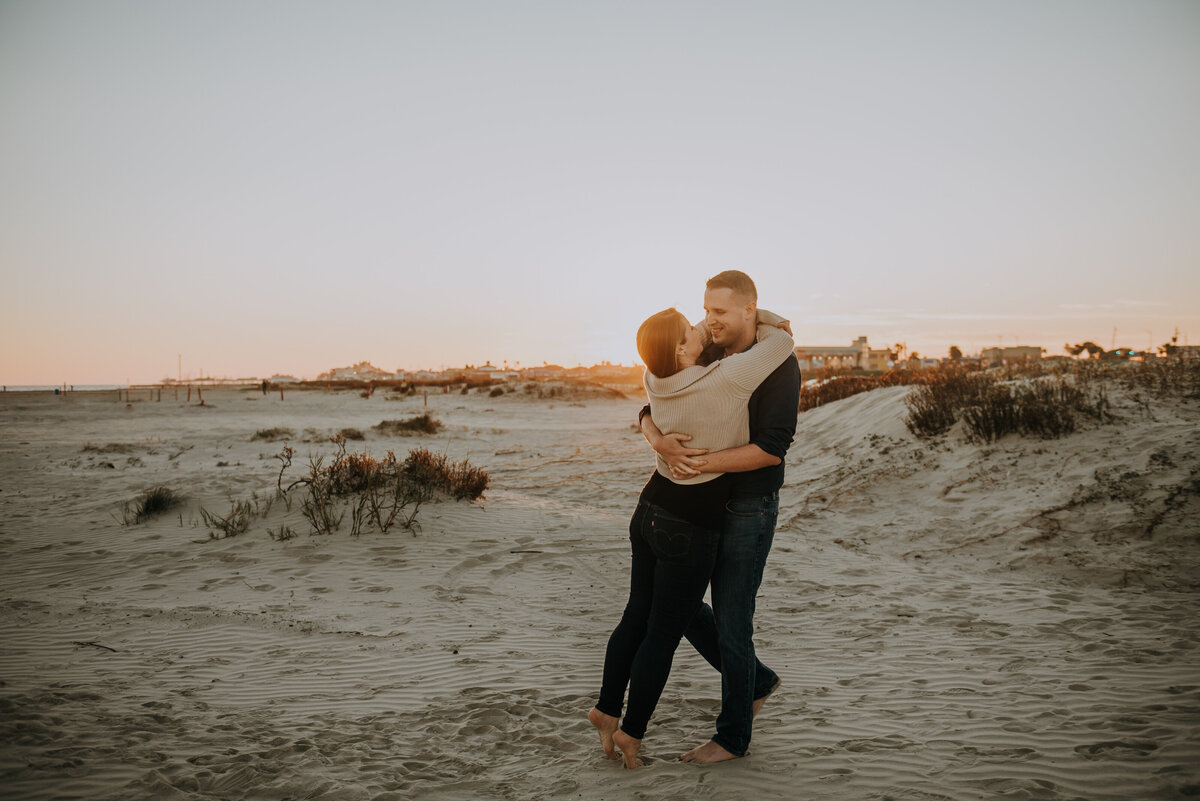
(710, 402)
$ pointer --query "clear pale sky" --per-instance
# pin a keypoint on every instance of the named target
(291, 186)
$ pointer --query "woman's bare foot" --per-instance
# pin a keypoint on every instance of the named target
(708, 753)
(758, 702)
(629, 748)
(606, 725)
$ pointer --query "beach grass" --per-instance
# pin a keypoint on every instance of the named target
(1038, 399)
(420, 424)
(377, 491)
(112, 447)
(273, 434)
(152, 502)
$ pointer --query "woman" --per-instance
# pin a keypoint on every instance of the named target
(675, 529)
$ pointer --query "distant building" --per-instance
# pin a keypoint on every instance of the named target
(545, 371)
(363, 371)
(494, 373)
(607, 371)
(1020, 353)
(283, 379)
(856, 356)
(881, 360)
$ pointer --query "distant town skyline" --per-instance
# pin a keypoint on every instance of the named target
(282, 187)
(516, 366)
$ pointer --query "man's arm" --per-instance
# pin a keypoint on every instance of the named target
(742, 459)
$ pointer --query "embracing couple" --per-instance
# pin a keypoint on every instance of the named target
(729, 388)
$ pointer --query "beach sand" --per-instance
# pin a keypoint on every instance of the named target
(950, 621)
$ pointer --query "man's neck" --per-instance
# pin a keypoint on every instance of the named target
(744, 342)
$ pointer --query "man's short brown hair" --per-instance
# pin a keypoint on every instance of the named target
(738, 281)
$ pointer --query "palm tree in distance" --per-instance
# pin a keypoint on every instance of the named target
(1094, 350)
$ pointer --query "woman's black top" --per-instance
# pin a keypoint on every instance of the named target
(701, 505)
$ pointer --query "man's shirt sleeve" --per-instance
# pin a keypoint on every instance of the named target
(774, 407)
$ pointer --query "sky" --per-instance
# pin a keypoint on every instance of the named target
(246, 188)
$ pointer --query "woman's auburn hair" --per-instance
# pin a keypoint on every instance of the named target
(657, 340)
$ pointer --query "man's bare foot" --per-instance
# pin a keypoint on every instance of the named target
(606, 725)
(629, 749)
(708, 753)
(760, 701)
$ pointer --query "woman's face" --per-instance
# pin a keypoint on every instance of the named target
(693, 345)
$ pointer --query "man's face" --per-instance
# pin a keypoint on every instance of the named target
(727, 315)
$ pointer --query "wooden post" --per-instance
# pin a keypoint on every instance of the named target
(281, 391)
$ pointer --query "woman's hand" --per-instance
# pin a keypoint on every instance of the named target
(680, 459)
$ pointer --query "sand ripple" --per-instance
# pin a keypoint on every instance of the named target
(458, 662)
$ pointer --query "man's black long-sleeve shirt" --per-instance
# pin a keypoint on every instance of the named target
(773, 407)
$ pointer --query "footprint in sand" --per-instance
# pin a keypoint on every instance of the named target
(1118, 750)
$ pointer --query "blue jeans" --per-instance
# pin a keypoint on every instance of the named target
(724, 633)
(672, 561)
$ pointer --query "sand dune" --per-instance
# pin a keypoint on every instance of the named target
(952, 621)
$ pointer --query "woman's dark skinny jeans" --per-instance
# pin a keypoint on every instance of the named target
(672, 562)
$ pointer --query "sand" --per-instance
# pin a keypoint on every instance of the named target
(950, 621)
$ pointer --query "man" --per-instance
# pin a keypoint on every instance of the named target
(723, 634)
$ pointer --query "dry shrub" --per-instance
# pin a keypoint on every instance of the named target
(936, 404)
(929, 413)
(992, 415)
(421, 424)
(352, 433)
(991, 408)
(1047, 409)
(1163, 377)
(1036, 399)
(273, 434)
(353, 472)
(379, 492)
(112, 447)
(150, 503)
(461, 480)
(237, 521)
(833, 385)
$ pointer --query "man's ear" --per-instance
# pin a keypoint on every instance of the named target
(751, 310)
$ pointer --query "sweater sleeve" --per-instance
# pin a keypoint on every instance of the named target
(749, 368)
(770, 318)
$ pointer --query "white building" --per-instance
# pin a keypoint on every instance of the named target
(363, 371)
